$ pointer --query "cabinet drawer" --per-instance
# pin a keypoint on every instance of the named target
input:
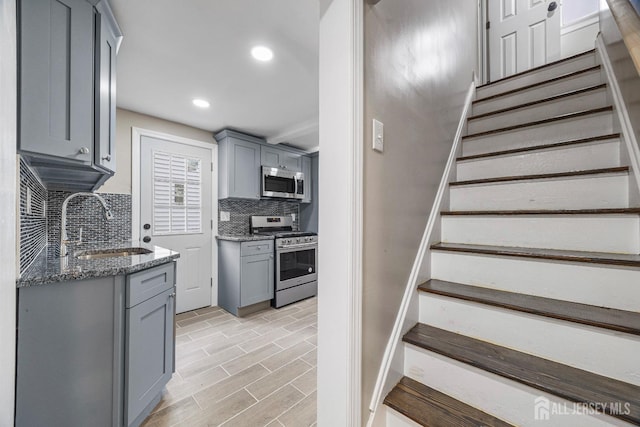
(256, 247)
(148, 283)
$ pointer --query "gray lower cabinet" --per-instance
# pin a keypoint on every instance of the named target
(95, 352)
(245, 273)
(149, 353)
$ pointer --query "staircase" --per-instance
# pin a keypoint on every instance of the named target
(532, 313)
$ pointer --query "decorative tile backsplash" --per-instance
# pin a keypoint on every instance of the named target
(86, 212)
(33, 221)
(241, 210)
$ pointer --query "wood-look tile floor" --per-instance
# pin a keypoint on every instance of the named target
(255, 371)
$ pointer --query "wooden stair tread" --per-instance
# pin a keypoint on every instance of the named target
(610, 211)
(541, 147)
(561, 380)
(542, 83)
(607, 318)
(429, 407)
(619, 169)
(541, 122)
(629, 260)
(540, 101)
(541, 67)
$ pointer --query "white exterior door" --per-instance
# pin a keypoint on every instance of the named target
(175, 213)
(523, 34)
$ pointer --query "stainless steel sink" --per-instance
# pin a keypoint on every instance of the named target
(111, 253)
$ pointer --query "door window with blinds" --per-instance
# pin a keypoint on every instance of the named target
(177, 194)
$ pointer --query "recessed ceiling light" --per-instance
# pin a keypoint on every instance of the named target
(262, 53)
(201, 103)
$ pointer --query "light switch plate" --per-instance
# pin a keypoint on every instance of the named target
(378, 136)
(225, 216)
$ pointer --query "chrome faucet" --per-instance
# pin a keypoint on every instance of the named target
(64, 237)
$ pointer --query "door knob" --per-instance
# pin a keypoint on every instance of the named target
(146, 239)
(552, 6)
(146, 226)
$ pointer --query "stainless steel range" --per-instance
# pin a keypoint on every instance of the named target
(296, 258)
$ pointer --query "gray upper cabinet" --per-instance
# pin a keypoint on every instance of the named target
(239, 166)
(278, 158)
(67, 91)
(56, 79)
(108, 38)
(308, 179)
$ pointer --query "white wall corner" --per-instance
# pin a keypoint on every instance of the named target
(340, 216)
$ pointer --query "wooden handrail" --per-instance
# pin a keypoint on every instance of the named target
(628, 22)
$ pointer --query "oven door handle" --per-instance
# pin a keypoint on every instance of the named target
(296, 247)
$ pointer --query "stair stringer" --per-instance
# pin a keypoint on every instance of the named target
(392, 364)
(622, 121)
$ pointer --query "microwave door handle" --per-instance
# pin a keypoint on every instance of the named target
(295, 187)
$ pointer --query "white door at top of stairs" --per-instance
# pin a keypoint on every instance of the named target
(523, 34)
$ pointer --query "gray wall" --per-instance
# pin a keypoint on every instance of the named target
(8, 208)
(125, 120)
(419, 62)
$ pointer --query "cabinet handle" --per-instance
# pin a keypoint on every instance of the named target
(84, 150)
(107, 158)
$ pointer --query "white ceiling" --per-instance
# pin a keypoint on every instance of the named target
(174, 51)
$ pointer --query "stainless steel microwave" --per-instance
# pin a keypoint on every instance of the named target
(282, 183)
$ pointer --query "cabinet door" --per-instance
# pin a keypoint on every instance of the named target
(105, 125)
(149, 352)
(256, 279)
(270, 157)
(292, 161)
(274, 157)
(306, 170)
(56, 78)
(244, 170)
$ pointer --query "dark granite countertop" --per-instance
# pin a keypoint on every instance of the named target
(48, 267)
(244, 238)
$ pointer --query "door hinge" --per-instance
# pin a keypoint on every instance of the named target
(212, 224)
(488, 26)
(212, 282)
(211, 166)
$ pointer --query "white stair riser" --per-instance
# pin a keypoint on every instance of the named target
(547, 73)
(597, 350)
(595, 155)
(595, 233)
(562, 130)
(396, 419)
(501, 397)
(584, 101)
(536, 93)
(594, 284)
(582, 192)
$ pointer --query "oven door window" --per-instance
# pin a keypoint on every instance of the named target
(297, 264)
(278, 184)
